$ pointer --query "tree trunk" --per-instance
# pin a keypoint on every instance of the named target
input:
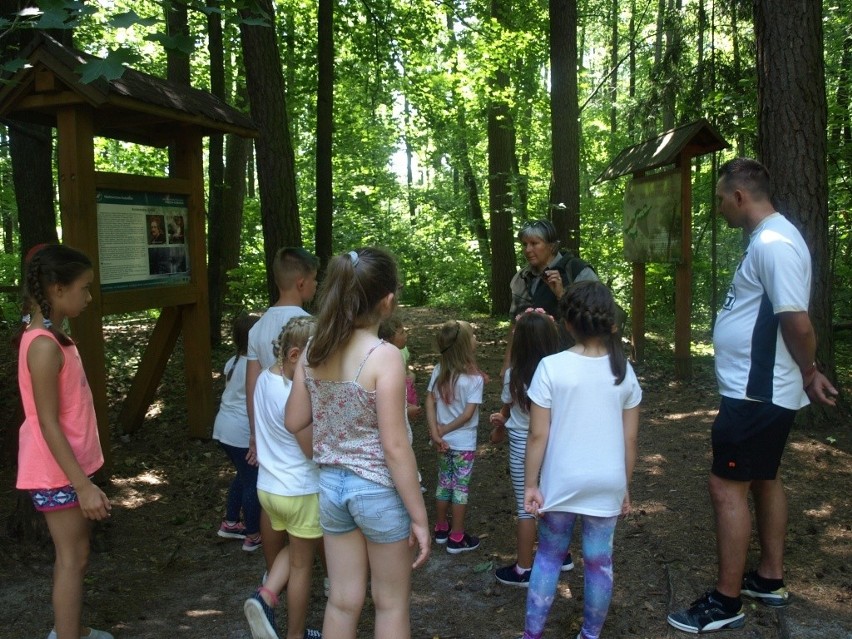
(613, 63)
(501, 151)
(325, 124)
(564, 123)
(631, 91)
(177, 62)
(735, 45)
(279, 208)
(215, 178)
(792, 141)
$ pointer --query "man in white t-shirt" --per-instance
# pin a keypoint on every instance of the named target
(765, 351)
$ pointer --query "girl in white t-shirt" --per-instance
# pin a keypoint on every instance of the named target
(584, 421)
(452, 411)
(231, 430)
(288, 489)
(534, 337)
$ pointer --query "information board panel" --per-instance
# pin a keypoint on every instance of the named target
(652, 218)
(141, 239)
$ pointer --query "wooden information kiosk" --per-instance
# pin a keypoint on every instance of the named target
(110, 216)
(674, 148)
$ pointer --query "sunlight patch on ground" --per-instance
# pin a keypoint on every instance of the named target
(650, 508)
(674, 417)
(129, 497)
(203, 613)
(655, 464)
(823, 512)
(154, 410)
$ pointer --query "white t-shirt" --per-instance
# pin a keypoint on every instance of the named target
(232, 426)
(774, 276)
(266, 331)
(467, 390)
(283, 468)
(519, 419)
(583, 470)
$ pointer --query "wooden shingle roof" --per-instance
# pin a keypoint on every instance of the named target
(696, 138)
(136, 107)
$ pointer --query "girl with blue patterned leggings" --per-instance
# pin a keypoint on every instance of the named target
(584, 422)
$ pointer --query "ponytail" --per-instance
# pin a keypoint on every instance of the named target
(354, 284)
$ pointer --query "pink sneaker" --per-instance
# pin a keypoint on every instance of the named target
(230, 530)
(250, 544)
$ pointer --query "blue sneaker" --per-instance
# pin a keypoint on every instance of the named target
(706, 615)
(775, 598)
(261, 618)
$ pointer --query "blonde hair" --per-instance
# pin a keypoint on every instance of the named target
(455, 343)
(294, 333)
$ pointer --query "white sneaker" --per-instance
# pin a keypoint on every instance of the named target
(93, 634)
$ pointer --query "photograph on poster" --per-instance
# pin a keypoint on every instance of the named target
(141, 239)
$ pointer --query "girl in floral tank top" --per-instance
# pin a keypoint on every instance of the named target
(349, 387)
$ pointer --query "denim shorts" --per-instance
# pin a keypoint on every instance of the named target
(348, 501)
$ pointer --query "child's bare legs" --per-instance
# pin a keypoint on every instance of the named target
(442, 509)
(273, 540)
(390, 586)
(299, 587)
(526, 541)
(70, 532)
(277, 576)
(346, 557)
(458, 518)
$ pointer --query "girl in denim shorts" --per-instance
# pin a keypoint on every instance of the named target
(349, 387)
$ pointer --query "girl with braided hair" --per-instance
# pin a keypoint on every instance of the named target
(584, 422)
(59, 448)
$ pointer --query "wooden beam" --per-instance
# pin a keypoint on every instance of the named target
(196, 317)
(683, 276)
(80, 230)
(146, 183)
(43, 101)
(138, 299)
(637, 312)
(150, 371)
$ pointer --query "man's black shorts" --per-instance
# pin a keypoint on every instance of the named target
(748, 439)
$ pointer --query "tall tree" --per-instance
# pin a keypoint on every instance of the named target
(325, 126)
(501, 152)
(215, 176)
(565, 122)
(276, 174)
(792, 139)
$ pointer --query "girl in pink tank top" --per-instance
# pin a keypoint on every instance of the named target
(59, 447)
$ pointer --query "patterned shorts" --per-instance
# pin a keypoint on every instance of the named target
(49, 499)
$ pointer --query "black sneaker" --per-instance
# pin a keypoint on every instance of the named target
(751, 588)
(509, 576)
(261, 618)
(310, 633)
(441, 536)
(567, 564)
(468, 542)
(706, 615)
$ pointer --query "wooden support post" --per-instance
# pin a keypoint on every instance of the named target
(195, 318)
(150, 371)
(683, 276)
(75, 133)
(637, 311)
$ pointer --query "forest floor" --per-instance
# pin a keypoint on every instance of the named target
(158, 569)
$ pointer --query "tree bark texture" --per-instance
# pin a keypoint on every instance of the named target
(215, 176)
(792, 138)
(276, 175)
(501, 151)
(565, 123)
(325, 126)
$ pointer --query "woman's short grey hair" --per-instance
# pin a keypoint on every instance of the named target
(543, 229)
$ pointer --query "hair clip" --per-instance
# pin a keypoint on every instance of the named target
(47, 323)
(26, 319)
(354, 257)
